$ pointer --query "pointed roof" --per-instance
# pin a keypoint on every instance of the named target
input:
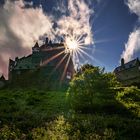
(11, 62)
(2, 78)
(36, 45)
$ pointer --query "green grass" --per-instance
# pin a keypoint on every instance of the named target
(29, 108)
(39, 114)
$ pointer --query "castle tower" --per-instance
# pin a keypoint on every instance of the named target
(35, 48)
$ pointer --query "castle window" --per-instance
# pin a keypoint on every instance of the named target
(68, 76)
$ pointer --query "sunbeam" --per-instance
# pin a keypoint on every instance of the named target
(52, 58)
(60, 62)
(103, 41)
(65, 69)
(55, 48)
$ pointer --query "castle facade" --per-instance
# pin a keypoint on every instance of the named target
(48, 65)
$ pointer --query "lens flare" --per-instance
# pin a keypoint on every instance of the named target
(73, 43)
(75, 46)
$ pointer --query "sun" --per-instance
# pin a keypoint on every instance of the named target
(71, 44)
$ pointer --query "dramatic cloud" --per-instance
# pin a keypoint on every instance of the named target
(20, 27)
(77, 22)
(133, 44)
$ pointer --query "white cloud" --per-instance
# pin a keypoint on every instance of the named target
(133, 44)
(134, 6)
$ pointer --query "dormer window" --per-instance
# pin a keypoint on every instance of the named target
(35, 49)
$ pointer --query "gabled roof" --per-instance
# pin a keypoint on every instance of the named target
(128, 65)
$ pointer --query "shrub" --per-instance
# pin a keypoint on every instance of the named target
(129, 93)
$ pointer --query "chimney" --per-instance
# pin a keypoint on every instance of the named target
(122, 62)
(16, 59)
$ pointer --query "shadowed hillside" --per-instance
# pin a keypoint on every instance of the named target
(86, 111)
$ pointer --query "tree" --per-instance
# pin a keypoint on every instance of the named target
(87, 83)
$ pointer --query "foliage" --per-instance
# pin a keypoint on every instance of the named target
(112, 80)
(34, 114)
(130, 98)
(57, 129)
(89, 83)
(7, 133)
(60, 129)
(30, 108)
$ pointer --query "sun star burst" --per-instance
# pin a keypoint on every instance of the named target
(73, 43)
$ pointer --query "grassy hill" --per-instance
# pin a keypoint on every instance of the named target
(39, 114)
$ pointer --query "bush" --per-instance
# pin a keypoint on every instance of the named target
(130, 98)
(87, 85)
(54, 130)
(7, 133)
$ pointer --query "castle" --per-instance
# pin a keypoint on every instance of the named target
(128, 73)
(48, 65)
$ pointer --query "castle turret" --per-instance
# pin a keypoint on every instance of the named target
(122, 62)
(35, 48)
(11, 66)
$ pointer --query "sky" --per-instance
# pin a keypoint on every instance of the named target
(110, 29)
